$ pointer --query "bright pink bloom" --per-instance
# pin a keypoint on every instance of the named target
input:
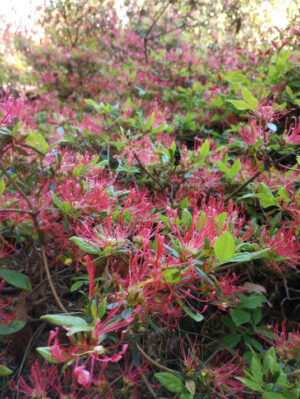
(83, 376)
(14, 110)
(225, 293)
(222, 376)
(293, 134)
(287, 344)
(41, 381)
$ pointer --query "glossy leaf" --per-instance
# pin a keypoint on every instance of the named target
(170, 382)
(64, 320)
(224, 246)
(85, 246)
(16, 279)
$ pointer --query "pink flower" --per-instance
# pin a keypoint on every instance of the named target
(83, 376)
(222, 376)
(287, 344)
(42, 380)
(293, 135)
(224, 294)
(15, 110)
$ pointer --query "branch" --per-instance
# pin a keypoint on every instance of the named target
(17, 210)
(147, 171)
(153, 362)
(19, 189)
(45, 264)
(240, 188)
(34, 213)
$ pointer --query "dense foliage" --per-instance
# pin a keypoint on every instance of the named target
(149, 211)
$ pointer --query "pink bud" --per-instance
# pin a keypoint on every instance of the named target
(82, 375)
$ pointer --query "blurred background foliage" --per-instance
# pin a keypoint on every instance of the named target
(77, 36)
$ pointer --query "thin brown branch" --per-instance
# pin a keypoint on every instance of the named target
(154, 22)
(49, 278)
(17, 210)
(153, 362)
(34, 215)
(18, 188)
(147, 171)
(150, 389)
(240, 188)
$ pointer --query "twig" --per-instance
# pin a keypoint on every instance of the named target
(17, 210)
(33, 338)
(153, 362)
(147, 171)
(293, 373)
(20, 191)
(34, 215)
(240, 188)
(154, 22)
(45, 263)
(225, 267)
(150, 389)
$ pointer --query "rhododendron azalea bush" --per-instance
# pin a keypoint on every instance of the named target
(149, 215)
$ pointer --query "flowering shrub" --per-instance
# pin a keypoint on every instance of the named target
(149, 215)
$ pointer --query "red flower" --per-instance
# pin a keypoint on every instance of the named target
(287, 344)
(293, 134)
(41, 381)
(223, 378)
(12, 110)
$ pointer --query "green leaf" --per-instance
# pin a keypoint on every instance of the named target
(57, 202)
(248, 256)
(240, 317)
(79, 328)
(257, 316)
(170, 382)
(283, 195)
(204, 149)
(203, 275)
(223, 167)
(221, 218)
(236, 167)
(195, 316)
(252, 301)
(171, 275)
(2, 186)
(265, 195)
(251, 385)
(256, 370)
(92, 104)
(44, 351)
(76, 286)
(85, 246)
(224, 246)
(186, 395)
(4, 371)
(231, 340)
(64, 320)
(102, 308)
(16, 279)
(36, 140)
(226, 320)
(149, 122)
(14, 326)
(249, 98)
(273, 395)
(270, 361)
(239, 104)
